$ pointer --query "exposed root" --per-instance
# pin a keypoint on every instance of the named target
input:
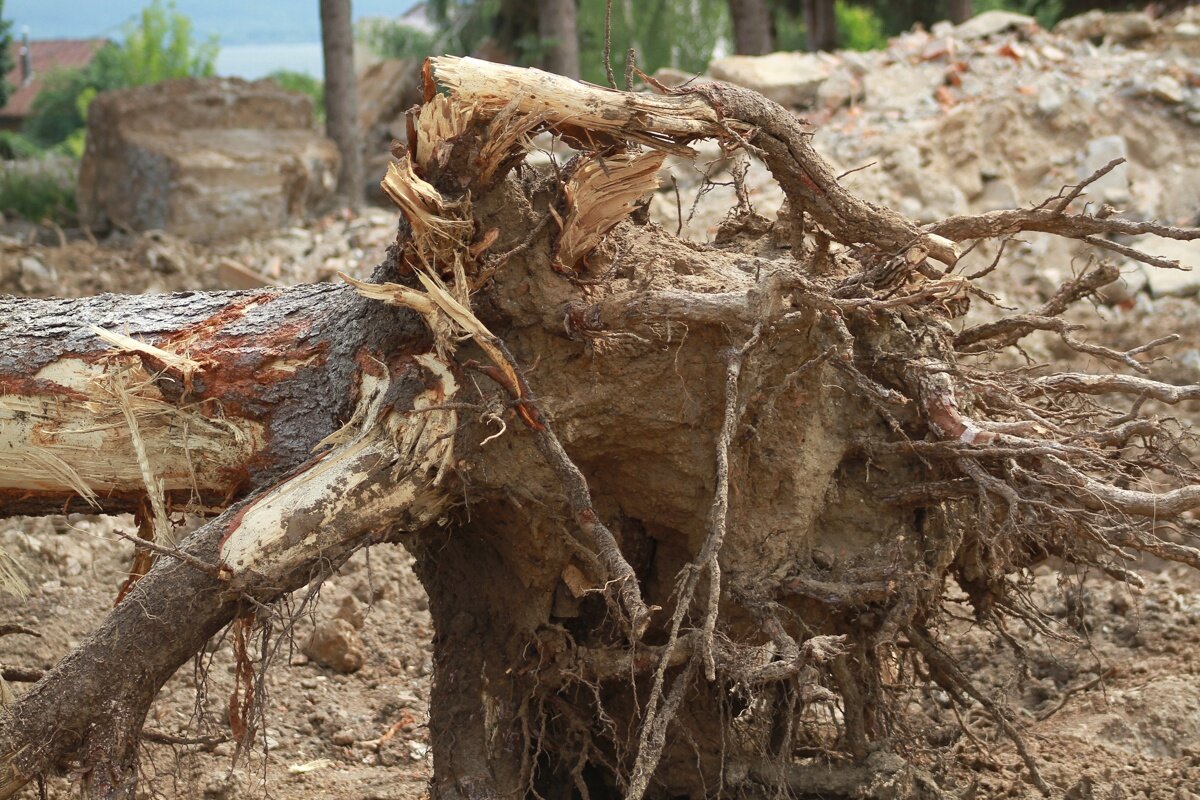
(951, 678)
(710, 554)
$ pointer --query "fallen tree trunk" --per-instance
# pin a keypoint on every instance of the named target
(682, 512)
(378, 475)
(228, 391)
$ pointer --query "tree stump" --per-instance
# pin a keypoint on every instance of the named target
(687, 515)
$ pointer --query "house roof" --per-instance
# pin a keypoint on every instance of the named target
(46, 55)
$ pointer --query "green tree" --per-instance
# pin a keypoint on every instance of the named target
(858, 27)
(303, 83)
(665, 33)
(674, 33)
(6, 61)
(158, 44)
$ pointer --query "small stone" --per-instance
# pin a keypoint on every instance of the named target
(997, 195)
(35, 275)
(1049, 101)
(990, 23)
(1167, 89)
(343, 738)
(842, 88)
(351, 611)
(1162, 282)
(1113, 187)
(336, 645)
(1116, 28)
(1052, 53)
(936, 49)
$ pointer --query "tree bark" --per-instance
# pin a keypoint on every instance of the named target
(285, 371)
(753, 34)
(559, 32)
(821, 22)
(341, 97)
(267, 376)
(960, 11)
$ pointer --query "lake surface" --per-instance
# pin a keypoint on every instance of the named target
(252, 61)
(256, 38)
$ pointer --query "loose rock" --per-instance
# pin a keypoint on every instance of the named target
(207, 159)
(790, 79)
(336, 645)
(989, 23)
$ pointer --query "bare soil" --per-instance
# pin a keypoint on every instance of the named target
(1110, 697)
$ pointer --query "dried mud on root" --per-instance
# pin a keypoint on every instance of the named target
(711, 550)
(979, 473)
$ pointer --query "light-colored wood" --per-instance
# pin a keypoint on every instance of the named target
(655, 120)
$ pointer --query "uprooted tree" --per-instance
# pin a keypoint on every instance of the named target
(685, 514)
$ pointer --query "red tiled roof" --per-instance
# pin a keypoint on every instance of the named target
(47, 55)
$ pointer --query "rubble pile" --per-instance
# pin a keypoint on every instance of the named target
(43, 262)
(993, 113)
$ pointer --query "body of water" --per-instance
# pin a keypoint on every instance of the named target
(252, 61)
(256, 38)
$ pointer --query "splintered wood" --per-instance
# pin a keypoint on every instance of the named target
(661, 122)
(435, 226)
(71, 429)
(385, 468)
(601, 193)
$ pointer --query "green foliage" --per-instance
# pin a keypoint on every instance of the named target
(674, 33)
(38, 190)
(6, 60)
(665, 33)
(898, 16)
(159, 44)
(56, 112)
(391, 39)
(858, 27)
(15, 146)
(790, 32)
(1047, 12)
(303, 83)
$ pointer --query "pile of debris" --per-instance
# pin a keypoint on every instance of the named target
(44, 262)
(993, 113)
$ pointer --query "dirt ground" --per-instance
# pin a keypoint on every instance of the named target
(1108, 695)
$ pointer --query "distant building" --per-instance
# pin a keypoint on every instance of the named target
(418, 17)
(34, 60)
